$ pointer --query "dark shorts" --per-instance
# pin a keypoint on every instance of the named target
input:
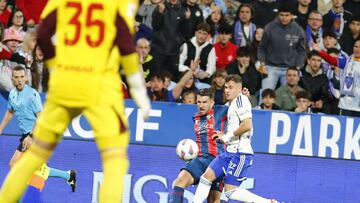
(21, 140)
(197, 167)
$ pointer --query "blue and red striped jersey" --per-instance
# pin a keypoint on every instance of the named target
(206, 126)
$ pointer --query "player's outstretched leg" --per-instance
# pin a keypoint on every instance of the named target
(245, 196)
(17, 180)
(183, 181)
(69, 176)
(203, 189)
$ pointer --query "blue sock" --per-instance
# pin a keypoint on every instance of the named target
(59, 173)
(177, 195)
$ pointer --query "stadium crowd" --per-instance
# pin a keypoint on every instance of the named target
(293, 55)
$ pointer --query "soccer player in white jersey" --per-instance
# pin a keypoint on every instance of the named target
(238, 156)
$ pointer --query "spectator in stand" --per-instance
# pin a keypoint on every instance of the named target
(5, 12)
(27, 47)
(264, 12)
(145, 59)
(337, 18)
(246, 69)
(157, 91)
(330, 41)
(302, 12)
(207, 6)
(17, 24)
(224, 49)
(349, 37)
(168, 24)
(189, 97)
(285, 95)
(315, 81)
(39, 71)
(193, 15)
(189, 83)
(146, 10)
(259, 32)
(349, 83)
(218, 84)
(282, 46)
(199, 50)
(313, 29)
(268, 100)
(32, 10)
(11, 41)
(303, 102)
(333, 74)
(215, 20)
(168, 83)
(244, 29)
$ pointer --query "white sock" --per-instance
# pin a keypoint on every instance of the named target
(245, 196)
(202, 190)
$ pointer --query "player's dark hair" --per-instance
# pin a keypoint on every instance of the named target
(268, 92)
(207, 92)
(233, 77)
(303, 94)
(18, 68)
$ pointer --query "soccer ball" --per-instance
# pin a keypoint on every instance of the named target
(187, 149)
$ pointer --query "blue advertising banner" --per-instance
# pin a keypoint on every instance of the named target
(275, 132)
(290, 179)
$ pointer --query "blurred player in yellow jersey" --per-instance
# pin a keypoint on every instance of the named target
(92, 38)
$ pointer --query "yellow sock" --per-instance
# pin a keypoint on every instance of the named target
(115, 164)
(19, 176)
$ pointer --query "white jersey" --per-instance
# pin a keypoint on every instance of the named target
(239, 109)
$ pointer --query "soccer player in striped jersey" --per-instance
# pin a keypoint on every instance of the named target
(208, 120)
(238, 156)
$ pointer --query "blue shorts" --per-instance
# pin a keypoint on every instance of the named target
(220, 163)
(197, 167)
(238, 168)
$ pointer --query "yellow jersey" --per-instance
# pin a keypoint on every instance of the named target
(92, 38)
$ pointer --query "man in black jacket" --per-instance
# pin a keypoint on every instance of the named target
(169, 23)
(315, 81)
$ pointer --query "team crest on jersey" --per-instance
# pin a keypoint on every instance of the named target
(230, 58)
(208, 117)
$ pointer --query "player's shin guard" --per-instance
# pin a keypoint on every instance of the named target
(18, 178)
(177, 195)
(115, 166)
(202, 190)
(245, 196)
